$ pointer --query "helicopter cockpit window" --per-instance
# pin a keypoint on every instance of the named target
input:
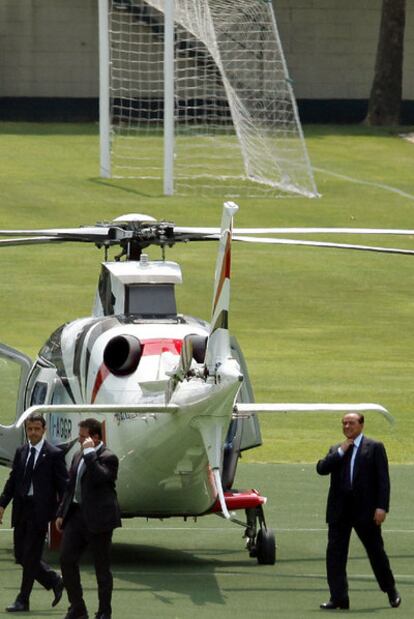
(59, 395)
(151, 300)
(38, 394)
(52, 350)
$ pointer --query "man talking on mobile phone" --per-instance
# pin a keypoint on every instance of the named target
(87, 516)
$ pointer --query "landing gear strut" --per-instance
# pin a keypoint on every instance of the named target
(260, 543)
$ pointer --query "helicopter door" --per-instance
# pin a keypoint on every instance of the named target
(15, 367)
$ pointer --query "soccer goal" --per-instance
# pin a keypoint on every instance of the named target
(195, 95)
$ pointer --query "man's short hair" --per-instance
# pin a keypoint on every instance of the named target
(360, 416)
(93, 426)
(36, 417)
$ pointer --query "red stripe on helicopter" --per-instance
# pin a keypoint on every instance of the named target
(149, 347)
(100, 377)
(225, 269)
(240, 500)
(158, 346)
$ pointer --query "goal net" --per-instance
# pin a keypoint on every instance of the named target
(235, 121)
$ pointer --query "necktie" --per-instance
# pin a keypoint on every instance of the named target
(346, 469)
(78, 489)
(349, 465)
(353, 451)
(28, 472)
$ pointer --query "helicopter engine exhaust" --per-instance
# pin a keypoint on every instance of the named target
(199, 346)
(122, 355)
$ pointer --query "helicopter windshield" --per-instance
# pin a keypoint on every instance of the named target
(151, 300)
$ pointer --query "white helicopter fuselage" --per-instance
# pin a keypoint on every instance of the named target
(164, 461)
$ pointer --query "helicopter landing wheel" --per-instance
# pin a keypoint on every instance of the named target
(261, 544)
(266, 547)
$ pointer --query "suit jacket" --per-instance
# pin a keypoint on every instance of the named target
(49, 483)
(370, 485)
(99, 504)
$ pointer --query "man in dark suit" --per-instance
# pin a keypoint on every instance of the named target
(37, 481)
(358, 498)
(87, 515)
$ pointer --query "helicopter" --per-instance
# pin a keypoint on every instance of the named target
(173, 391)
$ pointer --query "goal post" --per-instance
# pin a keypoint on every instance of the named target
(169, 98)
(104, 90)
(198, 99)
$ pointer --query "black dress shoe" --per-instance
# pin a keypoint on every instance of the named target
(394, 598)
(18, 607)
(57, 590)
(76, 614)
(102, 616)
(331, 605)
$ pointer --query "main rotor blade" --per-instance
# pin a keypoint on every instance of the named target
(394, 231)
(301, 230)
(39, 240)
(88, 230)
(163, 233)
(92, 234)
(115, 231)
(383, 250)
(108, 235)
(115, 234)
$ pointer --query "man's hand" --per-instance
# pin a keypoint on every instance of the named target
(347, 444)
(379, 516)
(58, 524)
(87, 443)
(1, 514)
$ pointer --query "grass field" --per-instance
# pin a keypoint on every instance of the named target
(177, 570)
(314, 326)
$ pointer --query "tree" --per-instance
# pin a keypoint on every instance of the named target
(386, 92)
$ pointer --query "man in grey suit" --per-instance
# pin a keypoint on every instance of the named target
(358, 498)
(37, 481)
(87, 515)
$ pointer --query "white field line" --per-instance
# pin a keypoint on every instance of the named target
(219, 573)
(226, 530)
(358, 181)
